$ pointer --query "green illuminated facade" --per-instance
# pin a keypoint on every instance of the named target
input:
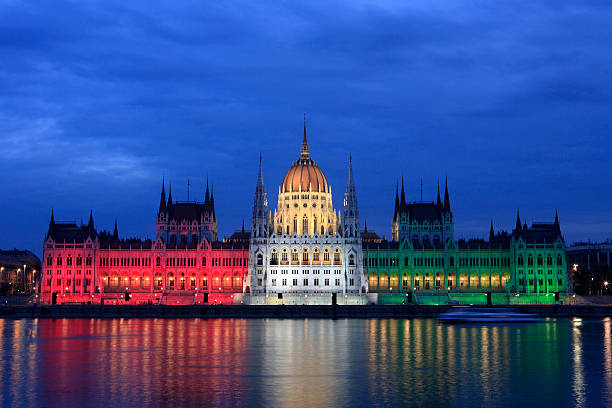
(423, 263)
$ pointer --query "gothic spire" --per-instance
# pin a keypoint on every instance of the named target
(438, 201)
(260, 182)
(304, 150)
(396, 209)
(91, 223)
(403, 197)
(350, 186)
(170, 195)
(115, 231)
(51, 222)
(557, 225)
(243, 224)
(446, 196)
(365, 226)
(162, 200)
(207, 195)
(518, 221)
(491, 232)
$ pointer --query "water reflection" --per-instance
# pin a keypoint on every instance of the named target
(187, 362)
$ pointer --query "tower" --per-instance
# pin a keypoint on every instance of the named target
(350, 212)
(259, 237)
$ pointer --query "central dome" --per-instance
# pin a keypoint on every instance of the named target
(305, 175)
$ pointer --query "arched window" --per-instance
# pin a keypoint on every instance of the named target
(451, 261)
(326, 255)
(79, 261)
(549, 260)
(295, 257)
(315, 229)
(295, 225)
(316, 255)
(540, 260)
(171, 281)
(49, 260)
(352, 259)
(559, 260)
(284, 256)
(69, 260)
(279, 230)
(305, 226)
(274, 257)
(259, 259)
(158, 282)
(193, 282)
(88, 261)
(305, 257)
(337, 257)
(158, 261)
(59, 260)
(406, 261)
(203, 261)
(204, 282)
(530, 260)
(182, 282)
(322, 230)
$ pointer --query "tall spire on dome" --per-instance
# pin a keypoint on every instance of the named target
(304, 150)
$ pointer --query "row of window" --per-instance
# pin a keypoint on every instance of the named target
(315, 282)
(540, 260)
(68, 272)
(540, 281)
(307, 272)
(77, 282)
(59, 261)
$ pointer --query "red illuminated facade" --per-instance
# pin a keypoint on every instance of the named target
(186, 264)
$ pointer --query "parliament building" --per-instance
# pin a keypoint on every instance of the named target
(306, 252)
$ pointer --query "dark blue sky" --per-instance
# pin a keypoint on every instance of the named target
(512, 100)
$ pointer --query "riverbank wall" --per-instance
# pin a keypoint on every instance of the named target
(284, 311)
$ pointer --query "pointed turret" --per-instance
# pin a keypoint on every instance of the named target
(518, 226)
(397, 202)
(438, 201)
(242, 225)
(447, 207)
(162, 200)
(365, 225)
(51, 223)
(206, 196)
(403, 197)
(260, 219)
(525, 225)
(304, 150)
(491, 232)
(557, 226)
(116, 232)
(350, 216)
(170, 195)
(90, 225)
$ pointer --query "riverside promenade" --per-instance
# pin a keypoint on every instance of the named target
(285, 311)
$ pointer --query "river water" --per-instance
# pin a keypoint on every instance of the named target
(304, 363)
